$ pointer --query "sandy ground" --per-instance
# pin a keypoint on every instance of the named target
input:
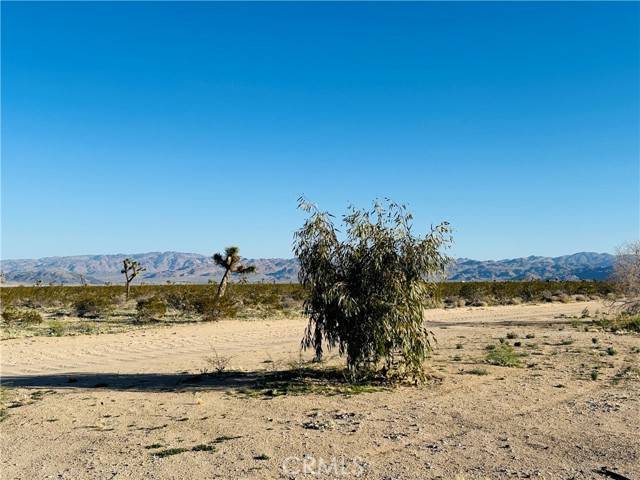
(103, 407)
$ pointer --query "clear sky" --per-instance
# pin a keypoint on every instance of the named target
(134, 127)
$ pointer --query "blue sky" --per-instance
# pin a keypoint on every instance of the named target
(133, 127)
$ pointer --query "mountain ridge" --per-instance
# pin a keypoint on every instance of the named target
(181, 267)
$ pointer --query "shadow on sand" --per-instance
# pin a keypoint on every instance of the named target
(253, 383)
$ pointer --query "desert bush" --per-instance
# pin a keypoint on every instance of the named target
(151, 308)
(627, 278)
(12, 315)
(473, 293)
(92, 306)
(56, 328)
(31, 316)
(367, 293)
(213, 308)
(218, 363)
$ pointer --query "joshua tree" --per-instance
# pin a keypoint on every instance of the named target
(131, 269)
(230, 261)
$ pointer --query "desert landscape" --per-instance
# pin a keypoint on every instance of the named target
(319, 240)
(235, 399)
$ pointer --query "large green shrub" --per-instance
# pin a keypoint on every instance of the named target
(368, 292)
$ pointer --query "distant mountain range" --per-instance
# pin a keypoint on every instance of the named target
(194, 268)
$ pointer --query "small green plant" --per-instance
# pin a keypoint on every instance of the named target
(611, 351)
(594, 374)
(153, 446)
(517, 344)
(567, 341)
(503, 355)
(512, 335)
(459, 346)
(594, 340)
(530, 335)
(262, 456)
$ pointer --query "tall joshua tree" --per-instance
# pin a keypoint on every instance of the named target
(131, 268)
(230, 261)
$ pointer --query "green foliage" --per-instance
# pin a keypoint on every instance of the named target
(92, 306)
(368, 292)
(503, 355)
(152, 308)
